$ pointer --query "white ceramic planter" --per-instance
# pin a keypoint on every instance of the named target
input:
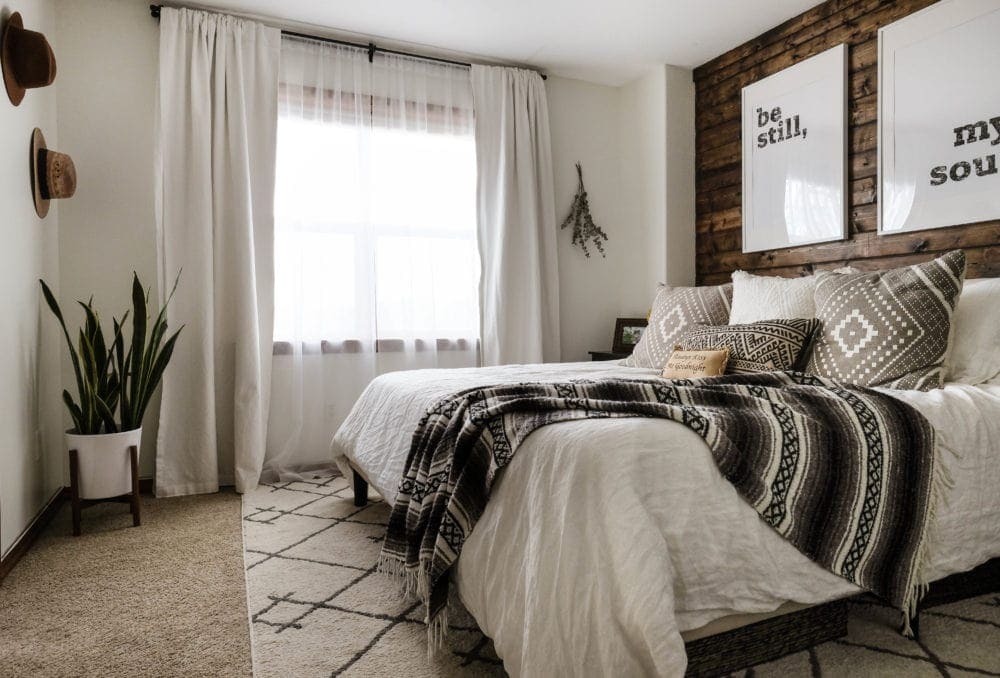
(105, 467)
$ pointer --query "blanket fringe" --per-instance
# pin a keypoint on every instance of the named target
(412, 585)
(437, 629)
(917, 586)
(396, 571)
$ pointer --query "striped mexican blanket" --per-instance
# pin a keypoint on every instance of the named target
(846, 474)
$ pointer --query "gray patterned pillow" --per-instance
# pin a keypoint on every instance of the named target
(675, 311)
(888, 328)
(762, 346)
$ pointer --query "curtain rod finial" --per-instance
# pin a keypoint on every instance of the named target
(154, 11)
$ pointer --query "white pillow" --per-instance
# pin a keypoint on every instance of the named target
(761, 297)
(975, 348)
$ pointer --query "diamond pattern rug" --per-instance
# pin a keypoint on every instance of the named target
(317, 606)
(319, 609)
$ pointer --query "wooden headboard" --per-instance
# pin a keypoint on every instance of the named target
(718, 153)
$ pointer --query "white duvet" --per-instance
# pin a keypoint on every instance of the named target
(605, 539)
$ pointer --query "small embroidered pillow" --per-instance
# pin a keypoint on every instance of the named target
(687, 364)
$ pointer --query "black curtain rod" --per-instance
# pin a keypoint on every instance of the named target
(371, 47)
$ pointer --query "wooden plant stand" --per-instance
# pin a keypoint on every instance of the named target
(79, 504)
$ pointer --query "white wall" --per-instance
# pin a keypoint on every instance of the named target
(108, 56)
(642, 126)
(583, 121)
(636, 144)
(679, 177)
(31, 460)
(657, 127)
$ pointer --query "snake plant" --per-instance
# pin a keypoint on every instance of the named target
(115, 375)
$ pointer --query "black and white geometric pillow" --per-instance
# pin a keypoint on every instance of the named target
(763, 346)
(675, 311)
(888, 328)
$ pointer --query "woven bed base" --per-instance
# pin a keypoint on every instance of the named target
(766, 640)
(975, 582)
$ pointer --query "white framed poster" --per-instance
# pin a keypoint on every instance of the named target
(939, 117)
(795, 154)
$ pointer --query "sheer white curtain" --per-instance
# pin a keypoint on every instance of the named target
(517, 220)
(216, 120)
(376, 265)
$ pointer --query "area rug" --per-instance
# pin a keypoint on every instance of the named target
(318, 608)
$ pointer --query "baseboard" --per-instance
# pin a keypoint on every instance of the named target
(31, 532)
(41, 520)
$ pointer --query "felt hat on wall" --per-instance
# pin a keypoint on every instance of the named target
(26, 59)
(53, 175)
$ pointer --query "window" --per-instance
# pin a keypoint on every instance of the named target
(375, 220)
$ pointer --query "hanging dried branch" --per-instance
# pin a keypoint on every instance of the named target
(584, 228)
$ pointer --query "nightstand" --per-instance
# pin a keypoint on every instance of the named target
(607, 355)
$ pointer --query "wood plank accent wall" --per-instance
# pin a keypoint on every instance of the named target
(718, 153)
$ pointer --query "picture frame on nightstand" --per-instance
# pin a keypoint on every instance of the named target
(628, 331)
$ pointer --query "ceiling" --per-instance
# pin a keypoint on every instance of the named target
(604, 41)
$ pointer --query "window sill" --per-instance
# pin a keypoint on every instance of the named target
(325, 347)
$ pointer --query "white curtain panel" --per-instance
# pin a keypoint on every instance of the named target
(519, 293)
(218, 94)
(376, 267)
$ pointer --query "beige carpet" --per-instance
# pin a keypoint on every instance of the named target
(165, 599)
(320, 610)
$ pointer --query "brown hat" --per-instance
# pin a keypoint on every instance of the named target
(26, 58)
(53, 175)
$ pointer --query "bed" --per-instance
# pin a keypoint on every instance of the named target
(635, 542)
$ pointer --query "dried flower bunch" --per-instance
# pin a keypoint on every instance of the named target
(584, 228)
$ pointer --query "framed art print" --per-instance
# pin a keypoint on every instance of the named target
(795, 154)
(628, 332)
(939, 117)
